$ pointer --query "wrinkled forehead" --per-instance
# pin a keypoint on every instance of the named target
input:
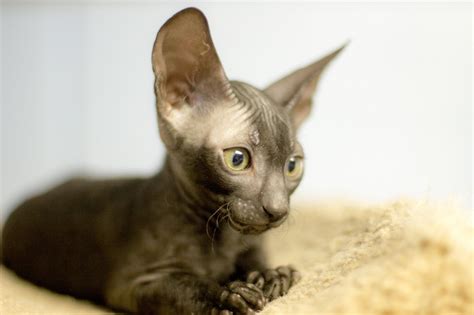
(252, 118)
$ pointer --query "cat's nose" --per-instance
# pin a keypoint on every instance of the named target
(275, 213)
(275, 200)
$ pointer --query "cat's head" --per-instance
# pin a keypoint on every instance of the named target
(229, 142)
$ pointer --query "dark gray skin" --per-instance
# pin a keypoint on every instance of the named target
(186, 241)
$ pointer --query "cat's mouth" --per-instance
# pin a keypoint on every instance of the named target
(246, 218)
(248, 228)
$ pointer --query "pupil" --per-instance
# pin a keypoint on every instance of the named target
(238, 158)
(291, 165)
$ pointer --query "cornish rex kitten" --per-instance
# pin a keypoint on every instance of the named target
(144, 245)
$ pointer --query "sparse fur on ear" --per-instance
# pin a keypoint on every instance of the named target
(295, 91)
(187, 70)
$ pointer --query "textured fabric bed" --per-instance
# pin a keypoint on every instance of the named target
(398, 258)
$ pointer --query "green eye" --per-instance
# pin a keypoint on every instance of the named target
(294, 167)
(237, 159)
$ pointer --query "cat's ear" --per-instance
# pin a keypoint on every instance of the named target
(187, 70)
(185, 62)
(295, 91)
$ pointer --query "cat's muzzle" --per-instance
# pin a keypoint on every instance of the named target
(247, 218)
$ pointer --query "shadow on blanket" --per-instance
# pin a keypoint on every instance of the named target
(400, 258)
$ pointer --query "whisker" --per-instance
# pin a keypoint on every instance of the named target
(216, 227)
(210, 218)
(219, 218)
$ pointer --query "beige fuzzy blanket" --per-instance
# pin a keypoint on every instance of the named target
(400, 258)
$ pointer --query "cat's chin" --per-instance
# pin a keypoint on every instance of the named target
(248, 229)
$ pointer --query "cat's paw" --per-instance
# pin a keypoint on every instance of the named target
(240, 298)
(274, 282)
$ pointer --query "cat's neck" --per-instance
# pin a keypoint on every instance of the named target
(177, 193)
(188, 197)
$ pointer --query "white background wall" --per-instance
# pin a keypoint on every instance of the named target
(393, 113)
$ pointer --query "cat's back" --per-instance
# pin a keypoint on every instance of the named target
(60, 239)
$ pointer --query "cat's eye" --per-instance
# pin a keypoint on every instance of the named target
(294, 167)
(237, 159)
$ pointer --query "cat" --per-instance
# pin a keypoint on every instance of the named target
(187, 240)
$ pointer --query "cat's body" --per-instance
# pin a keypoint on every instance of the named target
(117, 230)
(186, 240)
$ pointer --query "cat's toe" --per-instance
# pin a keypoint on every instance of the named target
(273, 285)
(242, 297)
(251, 293)
(276, 282)
(256, 278)
(217, 311)
(289, 274)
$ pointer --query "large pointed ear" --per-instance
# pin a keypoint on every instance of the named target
(295, 91)
(187, 70)
(185, 62)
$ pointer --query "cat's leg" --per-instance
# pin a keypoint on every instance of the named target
(253, 258)
(251, 267)
(183, 293)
